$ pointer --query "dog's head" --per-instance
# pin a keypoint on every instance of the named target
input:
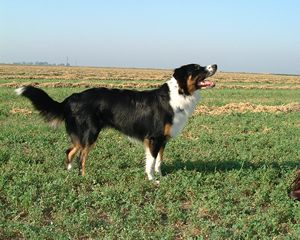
(192, 77)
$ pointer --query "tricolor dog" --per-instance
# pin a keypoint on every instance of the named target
(152, 117)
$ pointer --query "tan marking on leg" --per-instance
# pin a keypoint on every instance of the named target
(146, 142)
(83, 157)
(161, 152)
(167, 130)
(71, 152)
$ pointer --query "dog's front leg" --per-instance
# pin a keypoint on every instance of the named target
(158, 161)
(150, 163)
(154, 150)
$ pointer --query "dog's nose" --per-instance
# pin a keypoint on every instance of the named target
(214, 66)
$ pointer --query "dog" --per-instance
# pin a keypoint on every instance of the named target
(295, 186)
(152, 116)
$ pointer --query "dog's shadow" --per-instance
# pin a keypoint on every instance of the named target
(214, 165)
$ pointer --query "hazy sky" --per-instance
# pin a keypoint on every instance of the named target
(238, 35)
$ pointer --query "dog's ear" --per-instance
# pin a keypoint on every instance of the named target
(180, 73)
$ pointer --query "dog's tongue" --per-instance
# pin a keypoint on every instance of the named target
(206, 84)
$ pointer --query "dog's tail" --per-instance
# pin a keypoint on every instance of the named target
(51, 110)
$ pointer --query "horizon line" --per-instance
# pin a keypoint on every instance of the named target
(145, 68)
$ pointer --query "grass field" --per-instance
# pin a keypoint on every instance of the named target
(225, 177)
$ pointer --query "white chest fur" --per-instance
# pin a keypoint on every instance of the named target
(183, 106)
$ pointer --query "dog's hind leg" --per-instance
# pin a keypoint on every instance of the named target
(83, 131)
(71, 152)
(87, 142)
(82, 159)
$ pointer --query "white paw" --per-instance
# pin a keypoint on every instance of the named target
(151, 177)
(69, 167)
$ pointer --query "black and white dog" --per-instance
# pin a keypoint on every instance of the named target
(151, 117)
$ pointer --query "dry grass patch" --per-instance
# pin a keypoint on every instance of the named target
(23, 111)
(132, 74)
(81, 73)
(133, 84)
(213, 110)
(82, 84)
(223, 77)
(266, 87)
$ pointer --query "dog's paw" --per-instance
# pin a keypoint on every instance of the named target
(69, 166)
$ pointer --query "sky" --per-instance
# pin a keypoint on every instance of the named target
(260, 36)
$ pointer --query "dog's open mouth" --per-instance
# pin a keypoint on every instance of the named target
(206, 84)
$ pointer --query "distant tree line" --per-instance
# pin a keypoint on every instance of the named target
(38, 63)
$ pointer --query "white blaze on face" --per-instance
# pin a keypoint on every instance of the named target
(210, 70)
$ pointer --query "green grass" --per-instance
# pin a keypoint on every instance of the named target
(219, 97)
(225, 177)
